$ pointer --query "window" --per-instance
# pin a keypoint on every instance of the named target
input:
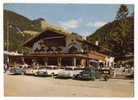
(73, 49)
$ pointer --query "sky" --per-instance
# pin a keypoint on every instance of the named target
(83, 19)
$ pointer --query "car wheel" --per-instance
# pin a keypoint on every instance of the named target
(22, 73)
(106, 78)
(53, 74)
(93, 78)
(74, 76)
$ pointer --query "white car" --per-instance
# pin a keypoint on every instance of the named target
(52, 70)
(69, 72)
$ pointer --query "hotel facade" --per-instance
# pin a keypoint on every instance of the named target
(55, 46)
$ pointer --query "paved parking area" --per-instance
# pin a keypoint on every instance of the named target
(21, 85)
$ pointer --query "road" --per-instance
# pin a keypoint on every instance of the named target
(21, 85)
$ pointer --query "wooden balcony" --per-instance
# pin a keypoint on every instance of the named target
(55, 52)
(96, 55)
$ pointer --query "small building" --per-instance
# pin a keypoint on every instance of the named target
(54, 46)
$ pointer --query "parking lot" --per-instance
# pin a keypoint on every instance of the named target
(22, 85)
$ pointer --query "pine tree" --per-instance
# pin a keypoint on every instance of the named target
(122, 12)
(121, 35)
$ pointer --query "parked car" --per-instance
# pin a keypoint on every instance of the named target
(92, 73)
(130, 75)
(105, 73)
(17, 70)
(52, 70)
(63, 73)
(31, 71)
(69, 72)
(41, 71)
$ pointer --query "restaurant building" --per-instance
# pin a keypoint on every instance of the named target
(55, 46)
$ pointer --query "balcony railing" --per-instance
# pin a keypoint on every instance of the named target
(90, 53)
(55, 52)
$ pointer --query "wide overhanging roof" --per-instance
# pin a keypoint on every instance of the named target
(40, 35)
(60, 32)
(52, 29)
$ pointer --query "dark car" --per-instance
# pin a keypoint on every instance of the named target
(92, 73)
(105, 73)
(130, 75)
(17, 70)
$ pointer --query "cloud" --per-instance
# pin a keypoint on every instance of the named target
(90, 24)
(84, 34)
(96, 24)
(69, 24)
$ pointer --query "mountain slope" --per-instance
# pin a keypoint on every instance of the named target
(118, 38)
(12, 36)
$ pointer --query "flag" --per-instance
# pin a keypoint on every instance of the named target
(18, 29)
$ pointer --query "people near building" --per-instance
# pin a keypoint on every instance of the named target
(6, 67)
(25, 65)
(37, 65)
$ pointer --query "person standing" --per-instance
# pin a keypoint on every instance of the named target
(6, 67)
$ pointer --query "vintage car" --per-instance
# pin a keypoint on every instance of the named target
(17, 70)
(42, 71)
(52, 70)
(130, 74)
(31, 71)
(105, 73)
(69, 72)
(92, 73)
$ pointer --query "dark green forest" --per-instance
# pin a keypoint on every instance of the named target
(118, 36)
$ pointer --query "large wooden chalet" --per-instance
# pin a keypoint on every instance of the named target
(58, 47)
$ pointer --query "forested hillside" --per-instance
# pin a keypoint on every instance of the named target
(118, 36)
(14, 27)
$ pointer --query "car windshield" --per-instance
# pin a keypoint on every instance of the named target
(51, 67)
(33, 68)
(86, 70)
(90, 69)
(68, 69)
(42, 68)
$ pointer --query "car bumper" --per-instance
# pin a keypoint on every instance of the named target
(42, 73)
(63, 75)
(15, 72)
